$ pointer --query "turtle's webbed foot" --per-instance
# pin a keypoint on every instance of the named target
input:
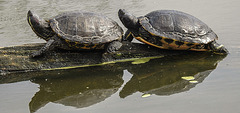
(51, 44)
(114, 46)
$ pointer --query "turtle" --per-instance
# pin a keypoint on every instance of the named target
(76, 30)
(171, 29)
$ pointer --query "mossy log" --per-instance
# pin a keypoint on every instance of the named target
(16, 58)
(136, 58)
(154, 72)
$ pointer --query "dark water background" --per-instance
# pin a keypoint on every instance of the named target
(122, 88)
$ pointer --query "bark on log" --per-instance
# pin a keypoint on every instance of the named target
(137, 58)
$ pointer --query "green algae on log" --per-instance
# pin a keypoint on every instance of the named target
(139, 60)
(16, 58)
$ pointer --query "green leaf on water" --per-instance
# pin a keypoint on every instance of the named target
(141, 61)
(146, 95)
(193, 81)
(188, 78)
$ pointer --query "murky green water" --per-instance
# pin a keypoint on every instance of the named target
(156, 86)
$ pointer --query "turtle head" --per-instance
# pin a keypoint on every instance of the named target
(128, 20)
(218, 48)
(40, 26)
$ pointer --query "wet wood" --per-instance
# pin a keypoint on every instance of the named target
(16, 59)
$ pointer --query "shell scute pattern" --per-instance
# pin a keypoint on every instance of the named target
(89, 30)
(171, 29)
(185, 34)
(177, 25)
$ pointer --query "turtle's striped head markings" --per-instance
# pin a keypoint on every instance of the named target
(128, 20)
(39, 26)
(128, 35)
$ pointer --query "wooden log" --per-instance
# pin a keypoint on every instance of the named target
(15, 59)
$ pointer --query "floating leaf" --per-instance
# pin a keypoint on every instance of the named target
(193, 81)
(188, 78)
(146, 95)
(141, 61)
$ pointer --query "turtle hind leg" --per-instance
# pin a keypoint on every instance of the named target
(113, 46)
(51, 44)
(218, 48)
(128, 36)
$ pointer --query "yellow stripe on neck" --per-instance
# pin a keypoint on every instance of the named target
(29, 21)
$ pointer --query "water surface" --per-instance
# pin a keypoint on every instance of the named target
(122, 87)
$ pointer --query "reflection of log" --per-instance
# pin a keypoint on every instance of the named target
(85, 87)
(16, 58)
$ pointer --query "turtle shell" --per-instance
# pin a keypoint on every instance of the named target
(86, 30)
(170, 29)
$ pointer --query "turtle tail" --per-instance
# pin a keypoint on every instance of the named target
(218, 48)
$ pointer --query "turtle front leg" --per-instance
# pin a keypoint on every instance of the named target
(51, 44)
(114, 46)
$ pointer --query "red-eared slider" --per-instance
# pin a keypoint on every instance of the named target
(170, 29)
(76, 31)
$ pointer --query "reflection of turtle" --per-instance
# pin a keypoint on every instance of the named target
(78, 88)
(164, 76)
(75, 31)
(169, 29)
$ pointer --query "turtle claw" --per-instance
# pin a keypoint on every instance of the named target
(51, 44)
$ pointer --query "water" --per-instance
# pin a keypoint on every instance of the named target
(120, 88)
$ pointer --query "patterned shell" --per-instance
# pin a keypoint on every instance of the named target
(177, 25)
(86, 28)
